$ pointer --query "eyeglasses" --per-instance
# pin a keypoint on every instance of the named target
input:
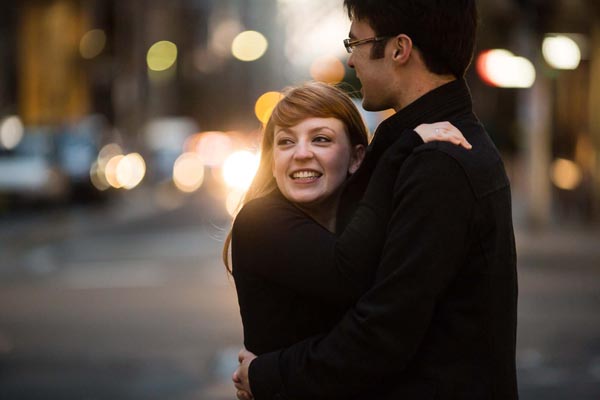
(350, 44)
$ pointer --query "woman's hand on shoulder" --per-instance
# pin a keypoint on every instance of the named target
(442, 132)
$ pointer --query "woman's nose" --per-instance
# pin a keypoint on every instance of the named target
(303, 151)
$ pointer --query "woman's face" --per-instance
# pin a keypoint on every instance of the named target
(312, 159)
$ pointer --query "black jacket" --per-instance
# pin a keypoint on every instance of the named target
(440, 320)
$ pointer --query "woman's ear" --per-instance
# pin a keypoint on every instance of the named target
(357, 158)
(402, 48)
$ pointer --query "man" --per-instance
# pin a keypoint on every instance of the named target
(440, 319)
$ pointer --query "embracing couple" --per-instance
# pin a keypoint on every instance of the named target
(383, 270)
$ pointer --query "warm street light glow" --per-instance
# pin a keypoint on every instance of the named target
(92, 43)
(109, 151)
(98, 178)
(265, 104)
(239, 169)
(561, 52)
(233, 201)
(11, 132)
(131, 170)
(162, 55)
(566, 174)
(503, 69)
(213, 148)
(327, 69)
(110, 171)
(188, 172)
(249, 46)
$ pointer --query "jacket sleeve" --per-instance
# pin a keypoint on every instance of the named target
(286, 247)
(427, 237)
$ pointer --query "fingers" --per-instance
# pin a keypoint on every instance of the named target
(243, 395)
(445, 131)
(242, 355)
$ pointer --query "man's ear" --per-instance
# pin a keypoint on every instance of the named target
(357, 158)
(402, 49)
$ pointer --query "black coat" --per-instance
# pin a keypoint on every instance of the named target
(440, 320)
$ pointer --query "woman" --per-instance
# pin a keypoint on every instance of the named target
(294, 277)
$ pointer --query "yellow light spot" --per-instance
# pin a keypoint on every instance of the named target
(92, 43)
(98, 177)
(566, 174)
(161, 56)
(11, 132)
(327, 69)
(561, 52)
(188, 172)
(265, 104)
(130, 170)
(239, 169)
(249, 46)
(233, 201)
(110, 171)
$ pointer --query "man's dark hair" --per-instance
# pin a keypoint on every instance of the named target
(443, 31)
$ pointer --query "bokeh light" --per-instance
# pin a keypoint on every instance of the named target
(561, 52)
(239, 169)
(223, 36)
(92, 43)
(249, 46)
(565, 174)
(213, 148)
(233, 201)
(11, 132)
(98, 178)
(188, 172)
(327, 69)
(107, 152)
(110, 171)
(161, 55)
(130, 171)
(265, 104)
(503, 69)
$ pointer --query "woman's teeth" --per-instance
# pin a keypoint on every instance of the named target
(305, 175)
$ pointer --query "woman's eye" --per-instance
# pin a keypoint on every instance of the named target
(283, 142)
(322, 139)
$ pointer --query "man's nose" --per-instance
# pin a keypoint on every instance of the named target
(350, 60)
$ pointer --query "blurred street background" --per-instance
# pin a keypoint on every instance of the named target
(129, 130)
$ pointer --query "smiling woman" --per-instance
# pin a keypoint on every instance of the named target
(312, 141)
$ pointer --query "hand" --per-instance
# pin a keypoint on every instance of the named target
(443, 132)
(240, 376)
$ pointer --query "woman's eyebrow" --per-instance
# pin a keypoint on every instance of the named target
(321, 128)
(283, 130)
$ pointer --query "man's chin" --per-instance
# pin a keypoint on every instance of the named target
(369, 106)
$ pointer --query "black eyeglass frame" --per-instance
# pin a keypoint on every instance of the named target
(350, 44)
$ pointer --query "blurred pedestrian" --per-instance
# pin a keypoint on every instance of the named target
(439, 321)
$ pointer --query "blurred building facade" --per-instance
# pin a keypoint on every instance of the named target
(80, 68)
